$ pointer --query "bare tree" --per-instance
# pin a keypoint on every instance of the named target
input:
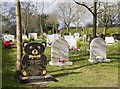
(40, 6)
(8, 17)
(94, 13)
(80, 16)
(19, 36)
(66, 13)
(52, 20)
(107, 14)
(27, 10)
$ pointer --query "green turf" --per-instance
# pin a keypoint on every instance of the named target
(89, 30)
(81, 74)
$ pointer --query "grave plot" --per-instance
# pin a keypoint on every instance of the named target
(34, 62)
(98, 51)
(59, 53)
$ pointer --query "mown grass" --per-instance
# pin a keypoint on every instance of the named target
(81, 74)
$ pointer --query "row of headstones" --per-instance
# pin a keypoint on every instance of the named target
(60, 50)
(73, 39)
(51, 38)
(12, 37)
(70, 39)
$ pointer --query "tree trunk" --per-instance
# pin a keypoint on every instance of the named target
(56, 28)
(94, 15)
(105, 29)
(94, 19)
(77, 28)
(19, 36)
(53, 29)
(67, 28)
(41, 28)
(24, 30)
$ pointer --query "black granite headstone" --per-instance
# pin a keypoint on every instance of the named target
(34, 61)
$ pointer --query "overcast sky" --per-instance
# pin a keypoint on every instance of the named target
(61, 0)
(51, 5)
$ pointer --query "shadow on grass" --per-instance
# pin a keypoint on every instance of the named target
(65, 74)
(90, 64)
(83, 58)
(114, 57)
(9, 80)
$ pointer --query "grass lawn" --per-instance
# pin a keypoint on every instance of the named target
(81, 74)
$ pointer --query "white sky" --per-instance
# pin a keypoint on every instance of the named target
(52, 5)
(60, 0)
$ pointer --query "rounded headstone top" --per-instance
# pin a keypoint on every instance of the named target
(97, 41)
(61, 41)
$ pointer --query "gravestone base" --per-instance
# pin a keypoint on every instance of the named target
(96, 61)
(37, 79)
(60, 63)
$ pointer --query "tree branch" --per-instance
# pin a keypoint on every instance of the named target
(84, 6)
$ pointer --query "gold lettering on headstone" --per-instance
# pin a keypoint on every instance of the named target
(34, 56)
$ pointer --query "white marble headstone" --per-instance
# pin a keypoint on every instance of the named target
(33, 35)
(24, 37)
(60, 50)
(8, 37)
(52, 38)
(109, 40)
(98, 51)
(76, 35)
(71, 40)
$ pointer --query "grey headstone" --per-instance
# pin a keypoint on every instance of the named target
(98, 51)
(59, 50)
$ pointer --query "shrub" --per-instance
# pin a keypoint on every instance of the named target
(25, 39)
(78, 44)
